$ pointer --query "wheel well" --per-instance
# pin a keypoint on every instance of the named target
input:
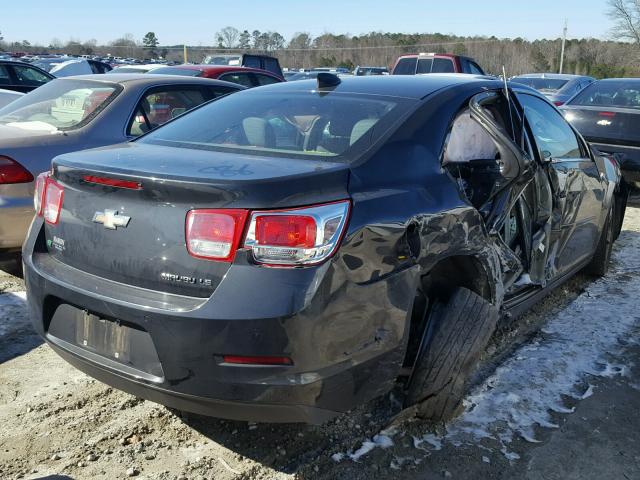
(455, 271)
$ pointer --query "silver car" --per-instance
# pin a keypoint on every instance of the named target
(8, 96)
(76, 113)
(557, 87)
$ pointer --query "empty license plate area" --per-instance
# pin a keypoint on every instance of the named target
(111, 339)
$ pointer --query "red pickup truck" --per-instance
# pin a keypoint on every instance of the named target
(435, 63)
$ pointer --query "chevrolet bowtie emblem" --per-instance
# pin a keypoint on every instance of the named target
(111, 220)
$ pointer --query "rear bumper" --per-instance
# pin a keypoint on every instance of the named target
(629, 158)
(347, 341)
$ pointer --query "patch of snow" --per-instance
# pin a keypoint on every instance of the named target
(383, 440)
(434, 440)
(13, 298)
(523, 391)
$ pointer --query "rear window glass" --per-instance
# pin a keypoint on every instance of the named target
(187, 72)
(295, 125)
(442, 65)
(616, 93)
(406, 66)
(543, 84)
(60, 105)
(424, 65)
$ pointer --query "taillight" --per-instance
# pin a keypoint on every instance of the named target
(38, 192)
(301, 236)
(12, 172)
(558, 103)
(53, 196)
(113, 182)
(215, 234)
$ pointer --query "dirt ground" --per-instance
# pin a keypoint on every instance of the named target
(57, 423)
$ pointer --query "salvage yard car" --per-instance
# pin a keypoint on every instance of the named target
(607, 113)
(22, 77)
(422, 63)
(247, 77)
(75, 113)
(557, 87)
(289, 252)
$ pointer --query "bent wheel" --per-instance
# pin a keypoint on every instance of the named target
(457, 333)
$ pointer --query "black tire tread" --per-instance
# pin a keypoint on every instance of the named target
(461, 329)
(599, 264)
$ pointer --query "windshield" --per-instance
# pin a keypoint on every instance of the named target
(187, 72)
(60, 105)
(547, 84)
(297, 125)
(611, 93)
(223, 60)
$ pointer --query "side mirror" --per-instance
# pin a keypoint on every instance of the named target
(546, 155)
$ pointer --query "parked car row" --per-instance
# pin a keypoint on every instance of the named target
(256, 253)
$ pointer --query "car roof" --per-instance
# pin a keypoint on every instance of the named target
(408, 86)
(146, 79)
(220, 68)
(554, 76)
(631, 80)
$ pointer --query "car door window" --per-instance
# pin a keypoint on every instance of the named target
(406, 66)
(5, 78)
(265, 79)
(241, 78)
(442, 65)
(553, 135)
(29, 76)
(160, 105)
(475, 69)
(424, 65)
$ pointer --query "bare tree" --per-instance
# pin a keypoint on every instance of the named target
(626, 14)
(228, 37)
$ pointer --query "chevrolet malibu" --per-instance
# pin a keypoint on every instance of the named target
(286, 253)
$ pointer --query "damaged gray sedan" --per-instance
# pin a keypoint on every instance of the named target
(286, 253)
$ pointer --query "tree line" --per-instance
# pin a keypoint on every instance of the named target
(582, 56)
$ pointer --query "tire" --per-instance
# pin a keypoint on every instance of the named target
(600, 263)
(456, 335)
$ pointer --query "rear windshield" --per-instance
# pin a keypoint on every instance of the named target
(187, 72)
(296, 125)
(546, 84)
(60, 105)
(612, 93)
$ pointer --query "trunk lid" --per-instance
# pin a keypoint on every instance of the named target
(150, 251)
(615, 125)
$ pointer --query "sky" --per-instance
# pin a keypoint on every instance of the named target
(195, 22)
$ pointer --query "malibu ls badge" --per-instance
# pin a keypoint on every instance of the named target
(111, 220)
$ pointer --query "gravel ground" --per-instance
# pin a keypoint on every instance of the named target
(57, 423)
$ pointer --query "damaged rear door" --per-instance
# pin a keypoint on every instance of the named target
(490, 155)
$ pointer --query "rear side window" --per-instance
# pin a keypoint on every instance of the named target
(442, 65)
(265, 79)
(161, 105)
(240, 78)
(475, 69)
(552, 133)
(424, 65)
(5, 79)
(29, 76)
(406, 66)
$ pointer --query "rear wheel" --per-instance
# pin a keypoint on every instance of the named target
(457, 333)
(600, 263)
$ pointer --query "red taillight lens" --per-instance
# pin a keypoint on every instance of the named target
(215, 234)
(607, 114)
(299, 236)
(12, 172)
(296, 231)
(38, 192)
(113, 182)
(261, 360)
(558, 103)
(53, 196)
